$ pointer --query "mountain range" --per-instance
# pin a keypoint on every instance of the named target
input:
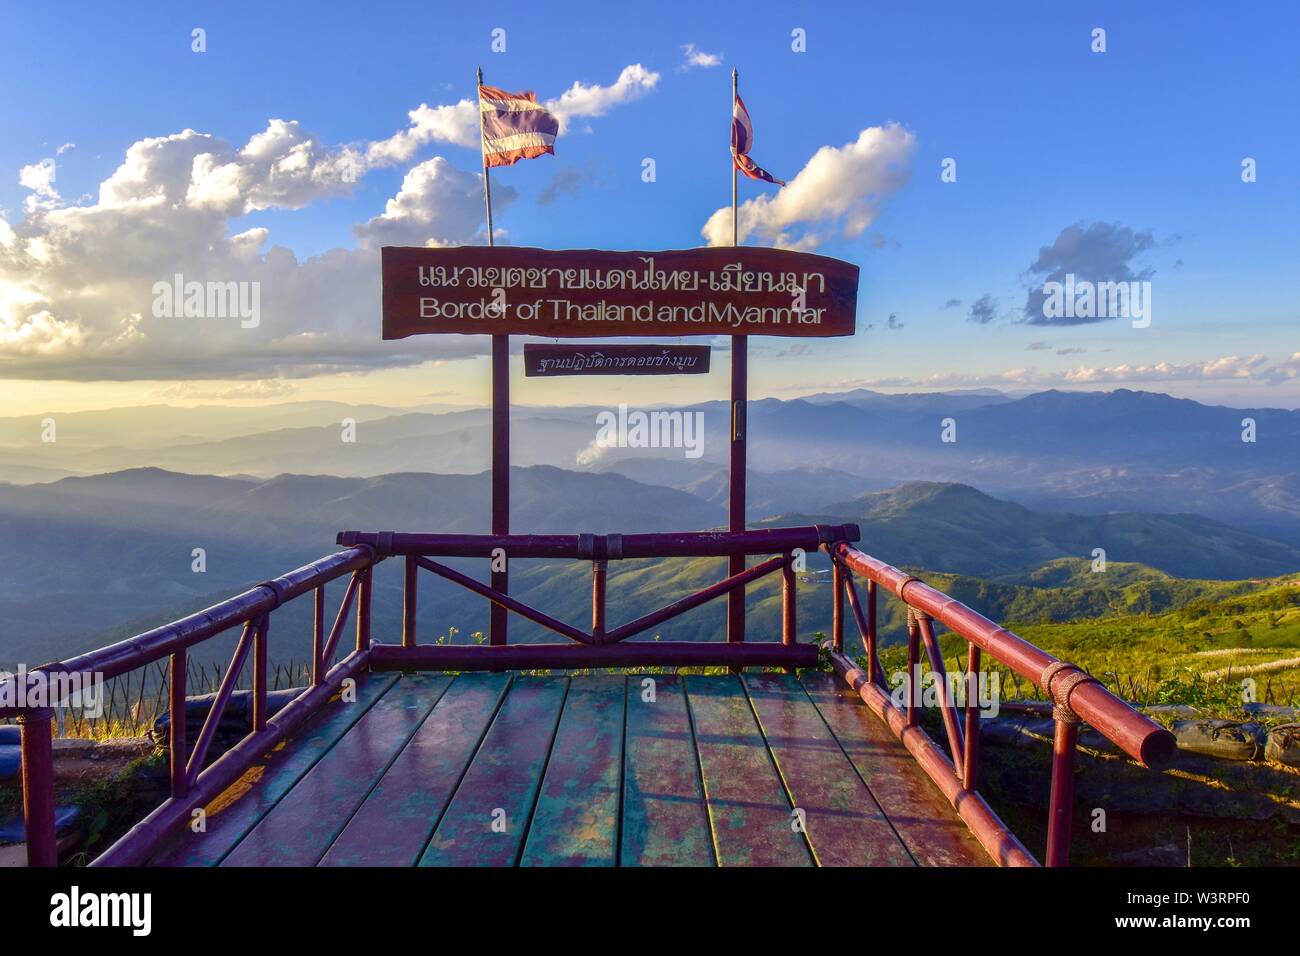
(1082, 452)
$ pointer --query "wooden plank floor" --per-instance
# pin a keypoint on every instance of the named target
(642, 770)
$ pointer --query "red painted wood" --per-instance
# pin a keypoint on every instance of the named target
(410, 594)
(575, 822)
(749, 812)
(177, 747)
(626, 654)
(736, 490)
(923, 819)
(503, 601)
(677, 544)
(394, 823)
(1061, 803)
(213, 720)
(731, 586)
(664, 819)
(301, 827)
(37, 754)
(1136, 734)
(261, 639)
(504, 776)
(135, 652)
(498, 620)
(789, 602)
(712, 291)
(555, 360)
(845, 825)
(994, 835)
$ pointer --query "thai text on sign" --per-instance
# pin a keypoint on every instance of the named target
(547, 360)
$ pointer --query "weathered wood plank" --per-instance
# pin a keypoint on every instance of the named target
(575, 822)
(301, 827)
(393, 825)
(501, 784)
(749, 811)
(919, 813)
(230, 816)
(664, 820)
(844, 824)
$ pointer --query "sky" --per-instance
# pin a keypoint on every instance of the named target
(961, 154)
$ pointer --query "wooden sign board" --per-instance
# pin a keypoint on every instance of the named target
(547, 360)
(578, 293)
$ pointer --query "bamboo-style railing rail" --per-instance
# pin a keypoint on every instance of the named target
(1077, 697)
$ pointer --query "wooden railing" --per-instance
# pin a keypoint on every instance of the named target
(192, 784)
(1076, 697)
(602, 645)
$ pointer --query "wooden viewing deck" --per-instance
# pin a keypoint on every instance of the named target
(445, 758)
(487, 769)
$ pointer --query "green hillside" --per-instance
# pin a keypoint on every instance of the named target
(956, 528)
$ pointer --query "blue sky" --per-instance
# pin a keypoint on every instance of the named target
(1141, 145)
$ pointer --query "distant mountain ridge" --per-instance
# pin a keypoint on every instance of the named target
(1084, 452)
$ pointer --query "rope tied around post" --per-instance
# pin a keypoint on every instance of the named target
(1060, 691)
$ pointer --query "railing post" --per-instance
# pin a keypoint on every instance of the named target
(260, 656)
(970, 762)
(176, 731)
(408, 602)
(1061, 807)
(1059, 679)
(363, 608)
(38, 786)
(598, 571)
(913, 666)
(837, 607)
(789, 593)
(318, 636)
(873, 651)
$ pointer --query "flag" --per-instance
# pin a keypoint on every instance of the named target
(514, 127)
(742, 141)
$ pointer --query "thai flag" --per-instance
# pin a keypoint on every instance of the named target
(515, 127)
(742, 140)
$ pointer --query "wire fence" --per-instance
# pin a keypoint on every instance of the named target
(133, 701)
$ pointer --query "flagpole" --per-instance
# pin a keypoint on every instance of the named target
(500, 421)
(487, 183)
(739, 389)
(735, 82)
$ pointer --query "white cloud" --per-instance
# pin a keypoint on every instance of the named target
(438, 205)
(76, 281)
(456, 124)
(839, 187)
(266, 388)
(695, 57)
(1225, 367)
(581, 100)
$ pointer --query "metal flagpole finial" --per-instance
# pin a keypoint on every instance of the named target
(480, 76)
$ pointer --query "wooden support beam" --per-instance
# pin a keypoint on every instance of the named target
(500, 476)
(736, 496)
